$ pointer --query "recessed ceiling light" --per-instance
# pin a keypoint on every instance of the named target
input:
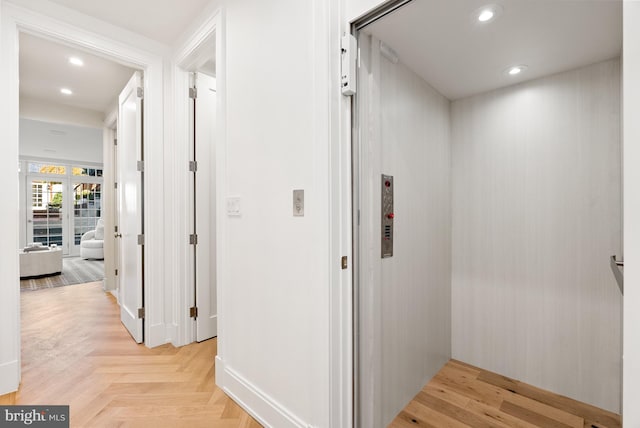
(66, 91)
(76, 61)
(486, 13)
(515, 70)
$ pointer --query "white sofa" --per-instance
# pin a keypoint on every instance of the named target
(92, 243)
(47, 261)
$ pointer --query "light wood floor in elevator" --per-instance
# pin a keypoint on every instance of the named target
(460, 395)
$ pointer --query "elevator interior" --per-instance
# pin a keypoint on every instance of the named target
(487, 187)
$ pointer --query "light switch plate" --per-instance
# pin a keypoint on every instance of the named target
(298, 203)
(233, 206)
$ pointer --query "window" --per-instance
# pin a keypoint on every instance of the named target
(87, 208)
(87, 172)
(46, 211)
(36, 195)
(43, 168)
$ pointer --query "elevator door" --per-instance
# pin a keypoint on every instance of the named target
(404, 245)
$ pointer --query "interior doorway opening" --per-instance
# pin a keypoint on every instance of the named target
(68, 129)
(199, 69)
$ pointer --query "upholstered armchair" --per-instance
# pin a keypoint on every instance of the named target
(92, 243)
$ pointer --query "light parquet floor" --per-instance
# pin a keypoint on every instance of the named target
(76, 352)
(460, 395)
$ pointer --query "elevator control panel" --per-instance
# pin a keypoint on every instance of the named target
(387, 216)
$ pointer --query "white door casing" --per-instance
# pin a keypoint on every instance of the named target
(130, 206)
(205, 208)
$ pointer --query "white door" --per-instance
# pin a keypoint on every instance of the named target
(205, 208)
(130, 215)
(116, 221)
(47, 214)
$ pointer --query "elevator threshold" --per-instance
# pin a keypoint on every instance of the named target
(461, 395)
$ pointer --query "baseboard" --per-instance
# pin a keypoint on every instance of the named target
(114, 293)
(267, 411)
(9, 377)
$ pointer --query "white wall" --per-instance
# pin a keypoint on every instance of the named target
(9, 271)
(77, 143)
(47, 111)
(631, 137)
(405, 300)
(274, 268)
(536, 215)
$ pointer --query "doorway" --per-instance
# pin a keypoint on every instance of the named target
(196, 73)
(457, 160)
(64, 203)
(140, 55)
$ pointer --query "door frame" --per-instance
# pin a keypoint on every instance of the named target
(184, 274)
(109, 198)
(56, 26)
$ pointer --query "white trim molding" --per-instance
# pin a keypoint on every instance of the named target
(264, 408)
(9, 376)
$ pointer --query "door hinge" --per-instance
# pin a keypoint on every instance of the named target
(193, 93)
(140, 239)
(115, 141)
(193, 239)
(344, 262)
(140, 92)
(140, 312)
(193, 312)
(349, 49)
(115, 185)
(115, 229)
(193, 166)
(116, 272)
(140, 166)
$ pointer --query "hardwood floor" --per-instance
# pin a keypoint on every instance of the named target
(75, 351)
(461, 395)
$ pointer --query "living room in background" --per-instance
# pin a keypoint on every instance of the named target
(52, 190)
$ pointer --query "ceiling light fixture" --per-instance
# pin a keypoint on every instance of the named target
(76, 61)
(486, 13)
(515, 70)
(66, 91)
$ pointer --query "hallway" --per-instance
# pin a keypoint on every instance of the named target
(76, 352)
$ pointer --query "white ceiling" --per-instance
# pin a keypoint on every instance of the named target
(161, 20)
(45, 68)
(440, 41)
